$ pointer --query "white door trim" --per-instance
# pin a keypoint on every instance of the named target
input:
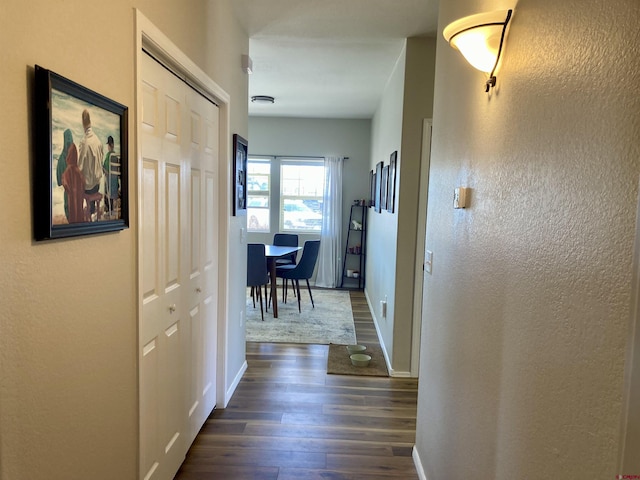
(149, 37)
(629, 462)
(425, 161)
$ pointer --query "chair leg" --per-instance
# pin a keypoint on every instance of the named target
(310, 296)
(253, 296)
(298, 290)
(259, 290)
(267, 297)
(285, 289)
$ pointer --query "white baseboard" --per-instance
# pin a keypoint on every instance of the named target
(418, 464)
(392, 372)
(232, 388)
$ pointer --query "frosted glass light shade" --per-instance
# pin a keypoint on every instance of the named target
(478, 37)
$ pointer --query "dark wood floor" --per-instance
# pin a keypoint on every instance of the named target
(289, 420)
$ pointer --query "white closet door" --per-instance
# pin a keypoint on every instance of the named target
(178, 259)
(203, 265)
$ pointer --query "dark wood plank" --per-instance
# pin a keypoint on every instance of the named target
(213, 472)
(208, 444)
(374, 436)
(397, 467)
(296, 474)
(259, 457)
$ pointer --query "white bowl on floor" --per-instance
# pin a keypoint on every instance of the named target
(360, 359)
(355, 349)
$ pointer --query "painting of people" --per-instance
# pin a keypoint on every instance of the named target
(95, 134)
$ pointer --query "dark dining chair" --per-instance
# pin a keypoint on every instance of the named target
(257, 273)
(303, 270)
(286, 240)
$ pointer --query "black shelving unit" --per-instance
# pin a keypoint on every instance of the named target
(354, 250)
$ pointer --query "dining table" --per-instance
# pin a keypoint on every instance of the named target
(274, 252)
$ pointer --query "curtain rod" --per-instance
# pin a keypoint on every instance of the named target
(292, 156)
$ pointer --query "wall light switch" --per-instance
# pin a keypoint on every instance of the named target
(428, 261)
(460, 197)
(243, 235)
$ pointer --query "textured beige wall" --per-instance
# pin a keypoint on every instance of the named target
(68, 331)
(524, 338)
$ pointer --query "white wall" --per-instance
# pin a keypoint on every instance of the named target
(315, 137)
(386, 137)
(525, 332)
(397, 125)
(68, 326)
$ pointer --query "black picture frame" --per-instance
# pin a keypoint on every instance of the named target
(372, 189)
(391, 188)
(69, 157)
(378, 198)
(240, 154)
(384, 187)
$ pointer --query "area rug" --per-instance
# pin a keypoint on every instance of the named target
(339, 363)
(331, 321)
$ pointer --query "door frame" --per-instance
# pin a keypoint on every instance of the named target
(629, 440)
(149, 37)
(421, 234)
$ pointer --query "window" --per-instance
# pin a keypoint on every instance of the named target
(258, 188)
(301, 192)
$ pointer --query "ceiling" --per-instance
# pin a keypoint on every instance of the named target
(328, 58)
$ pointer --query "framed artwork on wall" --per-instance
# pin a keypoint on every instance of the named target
(80, 184)
(391, 188)
(240, 153)
(372, 188)
(378, 199)
(384, 184)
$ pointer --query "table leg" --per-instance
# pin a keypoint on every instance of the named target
(274, 293)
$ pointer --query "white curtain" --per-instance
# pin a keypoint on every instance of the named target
(330, 255)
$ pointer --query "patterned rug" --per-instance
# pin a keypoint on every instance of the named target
(331, 321)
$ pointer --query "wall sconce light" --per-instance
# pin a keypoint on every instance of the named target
(480, 39)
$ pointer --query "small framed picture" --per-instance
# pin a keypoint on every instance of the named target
(378, 199)
(372, 189)
(384, 186)
(240, 152)
(80, 160)
(391, 189)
